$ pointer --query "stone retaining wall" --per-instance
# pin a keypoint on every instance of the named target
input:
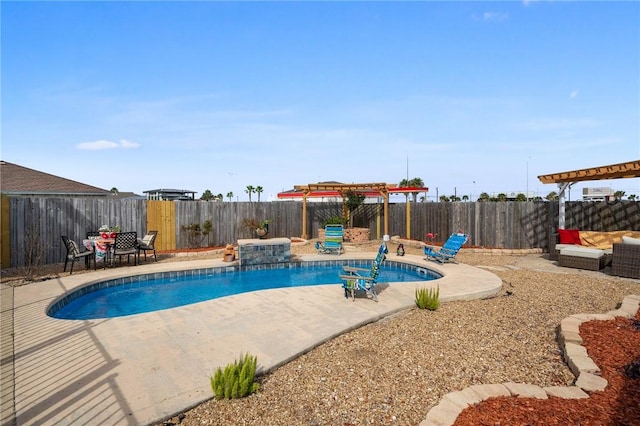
(351, 235)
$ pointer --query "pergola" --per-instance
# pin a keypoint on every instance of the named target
(370, 190)
(566, 179)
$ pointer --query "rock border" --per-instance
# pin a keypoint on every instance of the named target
(587, 373)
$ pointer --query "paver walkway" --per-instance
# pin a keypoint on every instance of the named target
(140, 369)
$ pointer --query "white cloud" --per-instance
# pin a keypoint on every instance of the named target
(573, 94)
(104, 144)
(128, 144)
(494, 16)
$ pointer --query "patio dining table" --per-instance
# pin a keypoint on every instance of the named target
(101, 246)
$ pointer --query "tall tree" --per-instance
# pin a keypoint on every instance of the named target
(230, 195)
(259, 191)
(618, 195)
(250, 190)
(484, 197)
(418, 183)
(114, 190)
(403, 184)
(632, 197)
(207, 195)
(553, 195)
(521, 197)
(219, 197)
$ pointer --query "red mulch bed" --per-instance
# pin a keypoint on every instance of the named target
(615, 347)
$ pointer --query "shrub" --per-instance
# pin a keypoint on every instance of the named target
(237, 379)
(428, 298)
(334, 220)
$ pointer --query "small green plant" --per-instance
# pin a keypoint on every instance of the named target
(237, 379)
(196, 234)
(428, 298)
(334, 220)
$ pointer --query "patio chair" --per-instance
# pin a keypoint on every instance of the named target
(448, 251)
(333, 238)
(363, 279)
(74, 252)
(148, 244)
(93, 234)
(125, 244)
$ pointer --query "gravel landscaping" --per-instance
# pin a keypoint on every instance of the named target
(395, 370)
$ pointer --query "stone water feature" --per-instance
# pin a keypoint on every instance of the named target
(261, 252)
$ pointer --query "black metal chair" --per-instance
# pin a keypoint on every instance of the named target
(148, 244)
(93, 234)
(126, 244)
(74, 252)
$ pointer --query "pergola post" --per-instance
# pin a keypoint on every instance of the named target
(408, 219)
(561, 206)
(304, 215)
(386, 212)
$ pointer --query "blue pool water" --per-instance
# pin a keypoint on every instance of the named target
(136, 295)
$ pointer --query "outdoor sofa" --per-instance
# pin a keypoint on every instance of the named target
(591, 250)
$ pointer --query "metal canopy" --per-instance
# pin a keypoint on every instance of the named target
(564, 180)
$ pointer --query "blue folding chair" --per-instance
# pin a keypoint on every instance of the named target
(448, 251)
(355, 279)
(333, 238)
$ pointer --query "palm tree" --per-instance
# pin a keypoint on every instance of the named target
(521, 197)
(483, 197)
(444, 199)
(419, 183)
(207, 195)
(250, 190)
(502, 197)
(618, 195)
(230, 196)
(259, 191)
(219, 197)
(403, 184)
(553, 195)
(465, 198)
(114, 190)
(632, 197)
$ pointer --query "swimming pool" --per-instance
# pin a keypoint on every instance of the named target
(153, 292)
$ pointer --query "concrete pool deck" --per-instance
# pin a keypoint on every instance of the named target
(141, 369)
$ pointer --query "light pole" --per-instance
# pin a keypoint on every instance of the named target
(529, 158)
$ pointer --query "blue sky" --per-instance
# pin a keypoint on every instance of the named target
(469, 96)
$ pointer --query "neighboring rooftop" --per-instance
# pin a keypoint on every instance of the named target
(170, 194)
(18, 180)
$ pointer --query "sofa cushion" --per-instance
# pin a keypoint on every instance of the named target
(561, 246)
(582, 252)
(604, 240)
(630, 240)
(569, 236)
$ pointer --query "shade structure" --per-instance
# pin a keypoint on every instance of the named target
(564, 180)
(336, 189)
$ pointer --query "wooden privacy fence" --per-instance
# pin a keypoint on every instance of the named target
(514, 225)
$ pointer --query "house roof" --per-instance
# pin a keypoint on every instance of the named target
(18, 180)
